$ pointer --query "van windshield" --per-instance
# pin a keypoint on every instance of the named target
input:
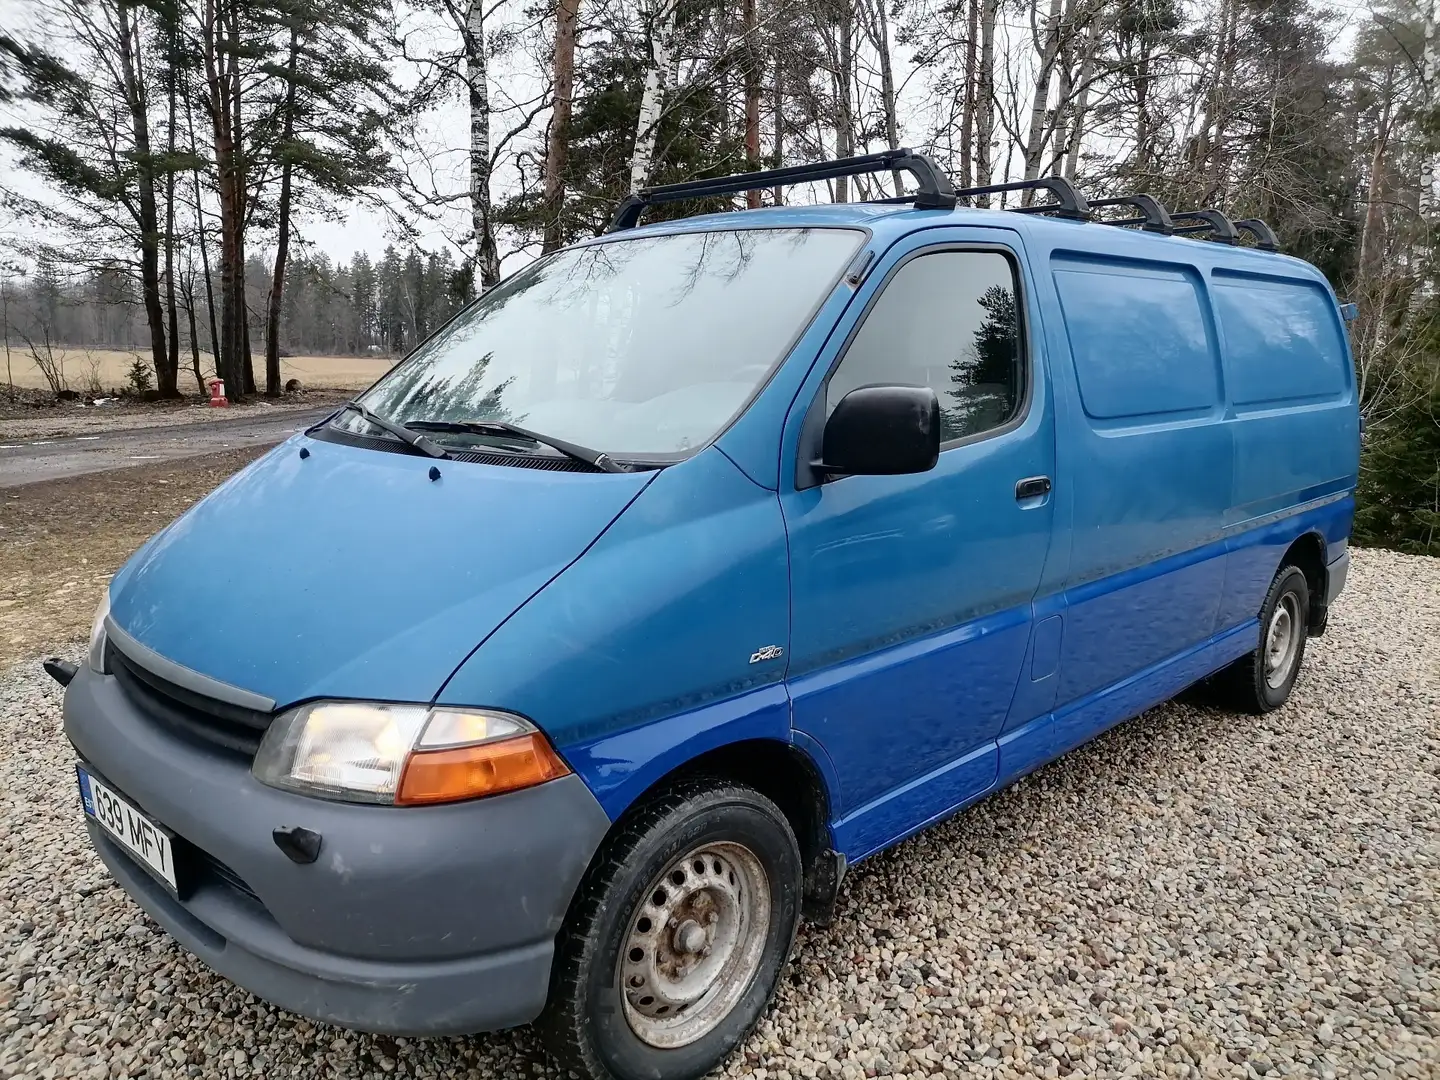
(636, 347)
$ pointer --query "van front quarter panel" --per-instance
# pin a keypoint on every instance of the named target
(669, 637)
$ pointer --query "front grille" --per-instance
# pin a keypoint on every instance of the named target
(185, 713)
(206, 863)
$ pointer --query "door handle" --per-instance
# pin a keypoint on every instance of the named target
(1032, 487)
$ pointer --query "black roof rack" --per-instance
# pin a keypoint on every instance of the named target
(935, 190)
(1221, 228)
(1265, 238)
(1068, 203)
(1153, 216)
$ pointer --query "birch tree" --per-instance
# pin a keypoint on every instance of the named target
(1047, 39)
(659, 74)
(477, 92)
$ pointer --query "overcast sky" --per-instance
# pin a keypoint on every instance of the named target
(445, 134)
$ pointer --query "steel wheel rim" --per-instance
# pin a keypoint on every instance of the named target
(695, 944)
(1282, 640)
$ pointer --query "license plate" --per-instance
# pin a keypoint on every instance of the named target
(128, 827)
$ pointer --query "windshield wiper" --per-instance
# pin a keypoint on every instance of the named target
(404, 434)
(600, 460)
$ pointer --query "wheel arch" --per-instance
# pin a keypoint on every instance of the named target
(788, 776)
(1307, 554)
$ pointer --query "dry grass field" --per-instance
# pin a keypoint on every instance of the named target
(86, 369)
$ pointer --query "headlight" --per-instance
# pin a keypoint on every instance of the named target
(403, 755)
(96, 656)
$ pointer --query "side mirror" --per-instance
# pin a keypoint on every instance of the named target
(882, 431)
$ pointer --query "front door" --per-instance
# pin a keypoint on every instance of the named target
(911, 595)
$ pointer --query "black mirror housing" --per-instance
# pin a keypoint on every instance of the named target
(882, 431)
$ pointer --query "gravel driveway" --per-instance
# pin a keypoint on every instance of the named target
(1196, 894)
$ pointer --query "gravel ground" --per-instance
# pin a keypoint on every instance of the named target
(1195, 894)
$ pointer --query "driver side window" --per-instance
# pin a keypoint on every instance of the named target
(948, 320)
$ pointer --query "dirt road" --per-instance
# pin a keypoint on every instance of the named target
(28, 461)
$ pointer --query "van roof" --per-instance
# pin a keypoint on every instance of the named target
(889, 221)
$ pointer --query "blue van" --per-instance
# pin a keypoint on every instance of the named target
(561, 673)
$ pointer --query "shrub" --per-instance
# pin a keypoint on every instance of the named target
(1399, 494)
(139, 376)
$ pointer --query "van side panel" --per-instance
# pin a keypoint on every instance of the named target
(1148, 456)
(1295, 423)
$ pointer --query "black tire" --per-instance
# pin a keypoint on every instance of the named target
(585, 1025)
(1246, 685)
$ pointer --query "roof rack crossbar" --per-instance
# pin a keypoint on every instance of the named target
(1153, 215)
(1265, 238)
(1221, 228)
(1069, 203)
(935, 192)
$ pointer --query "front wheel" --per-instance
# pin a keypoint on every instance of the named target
(1262, 680)
(677, 937)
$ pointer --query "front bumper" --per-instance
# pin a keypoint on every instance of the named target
(412, 921)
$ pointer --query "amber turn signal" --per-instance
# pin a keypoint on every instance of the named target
(471, 772)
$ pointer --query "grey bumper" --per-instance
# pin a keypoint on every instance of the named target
(415, 921)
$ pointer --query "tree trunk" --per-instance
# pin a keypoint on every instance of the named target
(477, 85)
(1040, 97)
(200, 231)
(1081, 106)
(1207, 156)
(968, 95)
(985, 98)
(5, 330)
(887, 86)
(652, 99)
(242, 303)
(558, 145)
(165, 375)
(172, 89)
(187, 295)
(1225, 96)
(1370, 229)
(1430, 59)
(779, 160)
(282, 230)
(1142, 106)
(751, 31)
(221, 74)
(752, 94)
(844, 118)
(1064, 90)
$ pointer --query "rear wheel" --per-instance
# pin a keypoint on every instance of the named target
(1262, 680)
(677, 937)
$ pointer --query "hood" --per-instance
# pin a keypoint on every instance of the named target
(351, 573)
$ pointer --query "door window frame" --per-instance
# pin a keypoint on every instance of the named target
(808, 447)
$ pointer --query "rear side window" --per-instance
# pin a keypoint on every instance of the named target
(1139, 338)
(1281, 340)
(948, 320)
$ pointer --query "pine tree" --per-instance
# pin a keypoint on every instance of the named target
(329, 114)
(92, 145)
